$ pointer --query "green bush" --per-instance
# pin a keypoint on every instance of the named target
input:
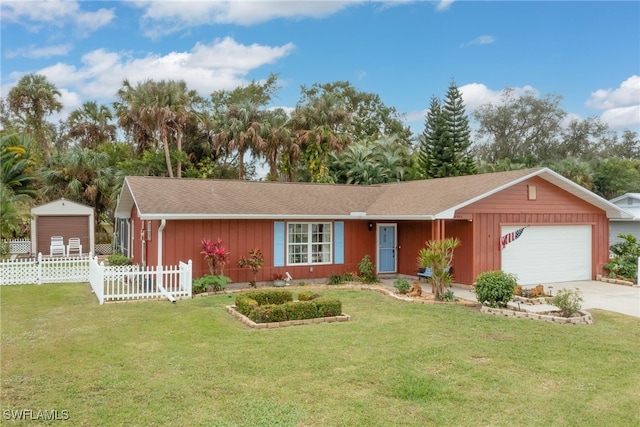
(624, 263)
(495, 288)
(217, 282)
(336, 279)
(302, 310)
(119, 259)
(328, 307)
(307, 295)
(568, 301)
(270, 296)
(449, 296)
(270, 313)
(246, 305)
(402, 285)
(367, 270)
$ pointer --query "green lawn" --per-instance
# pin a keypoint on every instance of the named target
(394, 363)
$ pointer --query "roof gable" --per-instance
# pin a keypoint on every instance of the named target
(62, 207)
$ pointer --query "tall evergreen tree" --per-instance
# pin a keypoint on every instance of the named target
(445, 143)
(459, 132)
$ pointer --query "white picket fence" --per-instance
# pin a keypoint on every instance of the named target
(117, 283)
(42, 269)
(109, 283)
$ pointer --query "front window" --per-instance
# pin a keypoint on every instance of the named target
(308, 243)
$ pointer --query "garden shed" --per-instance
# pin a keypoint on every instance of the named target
(63, 218)
(532, 222)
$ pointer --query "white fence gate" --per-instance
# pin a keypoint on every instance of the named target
(116, 283)
(109, 283)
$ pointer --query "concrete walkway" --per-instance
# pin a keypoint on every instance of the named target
(605, 296)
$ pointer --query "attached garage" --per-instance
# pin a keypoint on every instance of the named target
(62, 218)
(543, 254)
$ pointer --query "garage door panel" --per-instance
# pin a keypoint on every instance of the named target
(544, 254)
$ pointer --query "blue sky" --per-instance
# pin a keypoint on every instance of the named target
(406, 52)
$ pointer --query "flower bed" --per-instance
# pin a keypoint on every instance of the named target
(278, 307)
(580, 318)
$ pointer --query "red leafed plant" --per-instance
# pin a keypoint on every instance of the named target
(216, 255)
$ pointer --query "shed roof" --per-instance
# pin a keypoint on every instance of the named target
(170, 198)
(62, 207)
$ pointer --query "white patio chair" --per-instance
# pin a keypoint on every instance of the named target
(74, 245)
(56, 246)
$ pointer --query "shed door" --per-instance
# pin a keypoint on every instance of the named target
(546, 254)
(65, 226)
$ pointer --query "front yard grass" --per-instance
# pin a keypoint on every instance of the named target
(394, 363)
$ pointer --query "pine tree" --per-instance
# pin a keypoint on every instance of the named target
(445, 143)
(459, 132)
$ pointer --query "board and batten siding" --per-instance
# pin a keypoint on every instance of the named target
(182, 241)
(552, 206)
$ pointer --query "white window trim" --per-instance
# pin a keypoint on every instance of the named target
(309, 243)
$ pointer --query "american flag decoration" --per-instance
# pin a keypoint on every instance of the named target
(510, 237)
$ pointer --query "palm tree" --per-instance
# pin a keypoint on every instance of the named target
(90, 125)
(241, 131)
(277, 136)
(85, 176)
(16, 184)
(32, 99)
(155, 111)
(319, 129)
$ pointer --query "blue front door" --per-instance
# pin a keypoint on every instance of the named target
(387, 248)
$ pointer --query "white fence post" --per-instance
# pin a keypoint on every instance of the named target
(39, 268)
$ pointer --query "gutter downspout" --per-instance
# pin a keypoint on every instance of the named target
(161, 288)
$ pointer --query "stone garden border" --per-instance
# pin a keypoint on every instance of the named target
(231, 309)
(585, 318)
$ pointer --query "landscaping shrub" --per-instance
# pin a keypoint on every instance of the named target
(350, 276)
(302, 310)
(568, 301)
(402, 285)
(449, 296)
(119, 259)
(624, 263)
(270, 313)
(270, 296)
(307, 295)
(328, 306)
(217, 282)
(336, 279)
(310, 305)
(495, 288)
(246, 305)
(367, 270)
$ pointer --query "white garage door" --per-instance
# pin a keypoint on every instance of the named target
(544, 254)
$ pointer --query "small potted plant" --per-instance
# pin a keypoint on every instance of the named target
(278, 280)
(254, 262)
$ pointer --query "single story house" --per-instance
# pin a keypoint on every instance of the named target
(63, 218)
(532, 222)
(630, 202)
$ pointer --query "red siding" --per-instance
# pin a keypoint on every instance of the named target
(553, 206)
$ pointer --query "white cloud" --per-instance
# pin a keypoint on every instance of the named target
(444, 4)
(163, 17)
(480, 40)
(222, 64)
(628, 94)
(620, 106)
(34, 14)
(35, 52)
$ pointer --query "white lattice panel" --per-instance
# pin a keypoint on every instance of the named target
(19, 271)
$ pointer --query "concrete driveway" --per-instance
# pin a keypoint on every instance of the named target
(595, 294)
(606, 296)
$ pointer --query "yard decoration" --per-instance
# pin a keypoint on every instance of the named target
(438, 255)
(278, 279)
(254, 262)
